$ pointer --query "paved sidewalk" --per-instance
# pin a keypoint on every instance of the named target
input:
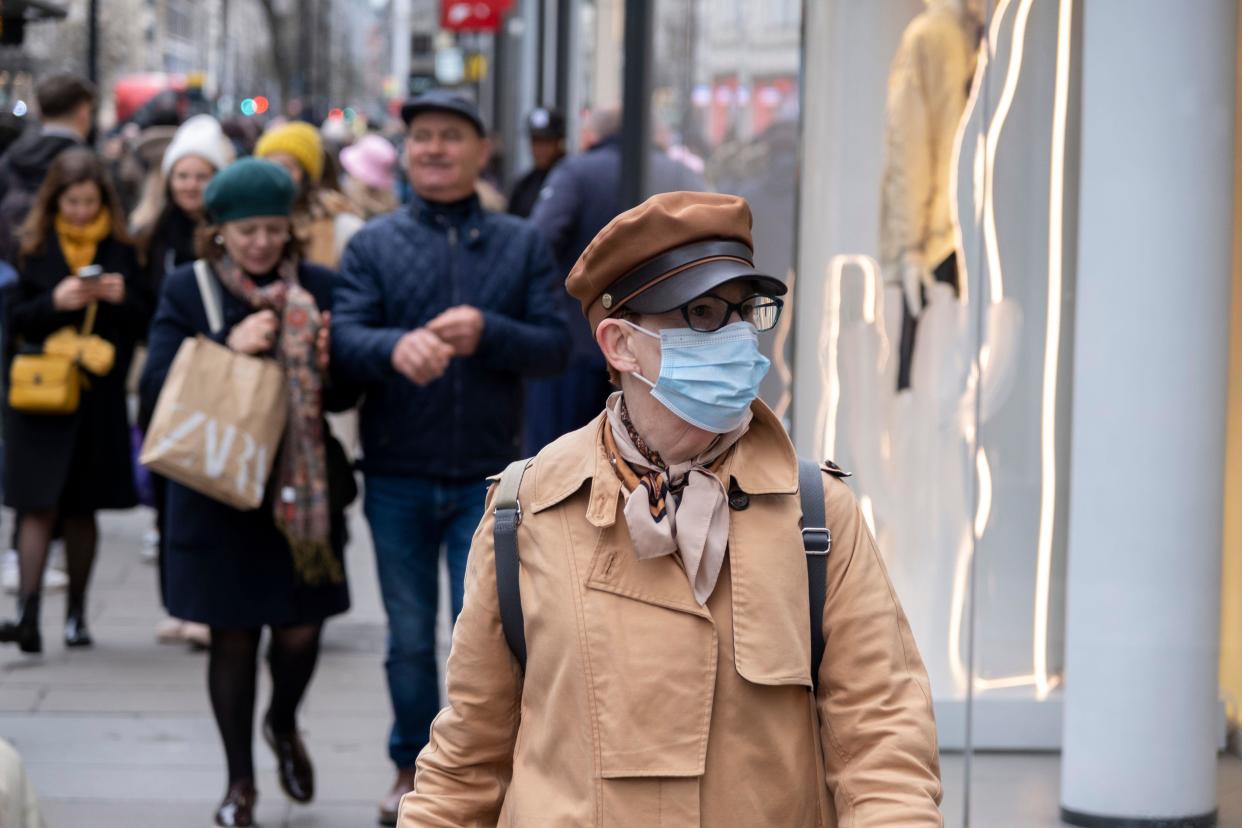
(122, 734)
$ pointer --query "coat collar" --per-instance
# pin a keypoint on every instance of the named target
(466, 215)
(762, 462)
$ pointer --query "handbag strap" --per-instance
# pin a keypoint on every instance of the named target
(88, 323)
(209, 290)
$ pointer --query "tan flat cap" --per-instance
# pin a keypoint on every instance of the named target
(665, 252)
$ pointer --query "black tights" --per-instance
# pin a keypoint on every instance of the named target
(34, 537)
(232, 673)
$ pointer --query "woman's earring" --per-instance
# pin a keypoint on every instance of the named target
(219, 240)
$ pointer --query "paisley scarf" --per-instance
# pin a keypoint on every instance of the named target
(301, 502)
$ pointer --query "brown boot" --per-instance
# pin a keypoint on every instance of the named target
(392, 803)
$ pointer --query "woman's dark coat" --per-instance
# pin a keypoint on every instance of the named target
(171, 244)
(226, 567)
(77, 462)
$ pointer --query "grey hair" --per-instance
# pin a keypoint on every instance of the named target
(605, 121)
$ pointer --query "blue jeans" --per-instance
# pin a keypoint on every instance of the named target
(410, 519)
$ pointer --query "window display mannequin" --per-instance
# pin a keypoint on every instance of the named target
(927, 91)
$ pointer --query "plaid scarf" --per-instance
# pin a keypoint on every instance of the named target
(681, 508)
(301, 505)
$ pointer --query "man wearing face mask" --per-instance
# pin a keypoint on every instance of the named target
(660, 667)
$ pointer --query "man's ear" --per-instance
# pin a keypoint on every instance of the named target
(614, 339)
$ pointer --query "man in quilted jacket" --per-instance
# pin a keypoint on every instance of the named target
(441, 309)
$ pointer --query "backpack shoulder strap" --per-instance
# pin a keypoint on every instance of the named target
(508, 516)
(816, 543)
(209, 290)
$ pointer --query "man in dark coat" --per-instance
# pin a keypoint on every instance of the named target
(441, 310)
(66, 106)
(546, 128)
(581, 195)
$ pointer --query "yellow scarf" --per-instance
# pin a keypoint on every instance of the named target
(79, 241)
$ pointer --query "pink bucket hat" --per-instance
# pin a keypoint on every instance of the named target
(371, 160)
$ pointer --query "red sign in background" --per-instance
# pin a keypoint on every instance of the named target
(472, 15)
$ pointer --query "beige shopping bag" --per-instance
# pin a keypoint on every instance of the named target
(218, 423)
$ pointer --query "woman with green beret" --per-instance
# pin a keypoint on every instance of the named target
(236, 571)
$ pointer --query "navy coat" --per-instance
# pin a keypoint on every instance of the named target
(223, 566)
(580, 196)
(398, 273)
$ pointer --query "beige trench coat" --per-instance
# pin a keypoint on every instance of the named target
(641, 708)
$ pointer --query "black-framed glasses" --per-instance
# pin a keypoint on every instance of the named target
(710, 312)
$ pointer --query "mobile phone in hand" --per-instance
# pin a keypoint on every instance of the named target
(91, 271)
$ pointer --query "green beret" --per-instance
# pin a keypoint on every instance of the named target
(248, 188)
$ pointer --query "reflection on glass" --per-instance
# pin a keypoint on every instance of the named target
(725, 104)
(942, 381)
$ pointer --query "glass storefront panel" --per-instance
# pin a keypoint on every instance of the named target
(959, 436)
(937, 326)
(725, 104)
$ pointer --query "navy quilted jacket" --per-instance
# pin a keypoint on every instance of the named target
(397, 274)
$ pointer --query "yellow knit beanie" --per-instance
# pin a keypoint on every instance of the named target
(299, 139)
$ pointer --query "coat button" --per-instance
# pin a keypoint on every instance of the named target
(738, 500)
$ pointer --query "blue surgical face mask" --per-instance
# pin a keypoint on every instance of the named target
(708, 379)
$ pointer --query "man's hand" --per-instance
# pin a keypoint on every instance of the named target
(460, 327)
(421, 357)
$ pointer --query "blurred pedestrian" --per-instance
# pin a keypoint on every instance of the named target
(198, 150)
(137, 171)
(322, 218)
(66, 107)
(11, 128)
(441, 309)
(241, 571)
(579, 197)
(137, 176)
(243, 133)
(63, 468)
(546, 128)
(370, 181)
(19, 806)
(667, 674)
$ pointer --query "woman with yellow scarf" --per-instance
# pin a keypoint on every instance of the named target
(77, 272)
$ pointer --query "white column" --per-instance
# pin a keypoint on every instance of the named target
(1150, 353)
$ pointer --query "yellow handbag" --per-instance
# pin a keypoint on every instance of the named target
(51, 382)
(43, 384)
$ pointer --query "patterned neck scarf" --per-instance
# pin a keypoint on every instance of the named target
(301, 504)
(681, 508)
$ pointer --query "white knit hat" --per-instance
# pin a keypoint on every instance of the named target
(201, 136)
